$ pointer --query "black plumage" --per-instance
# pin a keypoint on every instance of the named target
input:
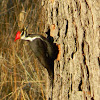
(44, 49)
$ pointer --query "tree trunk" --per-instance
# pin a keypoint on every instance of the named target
(75, 25)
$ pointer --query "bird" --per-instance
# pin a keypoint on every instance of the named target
(43, 48)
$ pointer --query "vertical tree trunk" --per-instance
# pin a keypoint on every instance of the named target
(74, 25)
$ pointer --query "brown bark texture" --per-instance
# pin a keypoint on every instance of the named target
(75, 25)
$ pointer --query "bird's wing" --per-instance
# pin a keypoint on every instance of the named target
(39, 48)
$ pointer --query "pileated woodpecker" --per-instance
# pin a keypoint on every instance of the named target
(45, 50)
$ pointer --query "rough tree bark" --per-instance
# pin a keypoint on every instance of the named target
(75, 25)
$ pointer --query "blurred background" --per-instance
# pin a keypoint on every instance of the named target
(20, 74)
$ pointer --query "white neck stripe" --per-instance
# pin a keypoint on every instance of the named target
(31, 38)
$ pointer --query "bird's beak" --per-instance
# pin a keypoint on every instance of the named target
(17, 35)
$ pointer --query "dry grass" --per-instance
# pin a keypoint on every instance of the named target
(20, 74)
